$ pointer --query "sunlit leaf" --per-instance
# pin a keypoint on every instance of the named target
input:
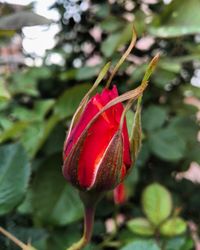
(141, 226)
(157, 203)
(173, 226)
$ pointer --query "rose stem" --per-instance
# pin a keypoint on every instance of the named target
(88, 228)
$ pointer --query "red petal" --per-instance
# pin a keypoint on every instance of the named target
(100, 134)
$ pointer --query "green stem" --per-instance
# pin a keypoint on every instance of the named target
(90, 201)
(88, 228)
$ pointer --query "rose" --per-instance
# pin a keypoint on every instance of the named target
(100, 158)
(98, 151)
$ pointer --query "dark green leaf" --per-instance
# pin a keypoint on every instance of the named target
(167, 144)
(175, 243)
(153, 117)
(141, 245)
(55, 202)
(14, 176)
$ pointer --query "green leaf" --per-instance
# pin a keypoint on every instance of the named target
(173, 226)
(179, 18)
(25, 207)
(40, 109)
(141, 226)
(22, 19)
(154, 117)
(174, 243)
(25, 82)
(179, 243)
(186, 127)
(169, 65)
(37, 133)
(14, 131)
(86, 73)
(110, 44)
(162, 77)
(114, 40)
(141, 245)
(14, 176)
(156, 203)
(61, 239)
(70, 99)
(167, 144)
(55, 202)
(111, 24)
(37, 236)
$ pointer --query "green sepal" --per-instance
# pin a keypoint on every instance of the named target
(136, 135)
(70, 167)
(109, 172)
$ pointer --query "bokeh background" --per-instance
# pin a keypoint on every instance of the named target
(50, 54)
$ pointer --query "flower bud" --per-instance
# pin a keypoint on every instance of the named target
(97, 151)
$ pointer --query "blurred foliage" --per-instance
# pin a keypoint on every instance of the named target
(37, 103)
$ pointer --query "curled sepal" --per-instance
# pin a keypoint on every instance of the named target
(124, 56)
(136, 135)
(151, 67)
(112, 160)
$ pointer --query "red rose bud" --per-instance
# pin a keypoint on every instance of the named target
(120, 194)
(97, 151)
